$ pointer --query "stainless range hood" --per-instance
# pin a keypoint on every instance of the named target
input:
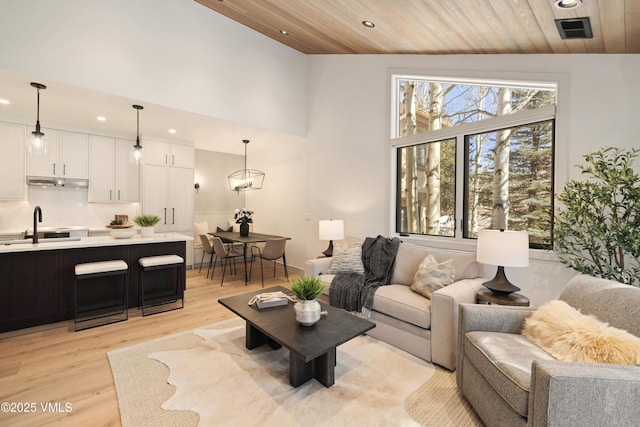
(45, 181)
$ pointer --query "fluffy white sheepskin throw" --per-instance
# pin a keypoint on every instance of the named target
(568, 335)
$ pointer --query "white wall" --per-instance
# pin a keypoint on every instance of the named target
(174, 53)
(348, 117)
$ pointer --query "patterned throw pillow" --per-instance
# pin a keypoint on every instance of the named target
(347, 261)
(430, 278)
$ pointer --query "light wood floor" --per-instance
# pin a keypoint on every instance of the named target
(58, 366)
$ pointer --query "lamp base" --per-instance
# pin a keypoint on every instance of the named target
(500, 285)
(329, 252)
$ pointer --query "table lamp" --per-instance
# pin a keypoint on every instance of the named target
(330, 229)
(504, 249)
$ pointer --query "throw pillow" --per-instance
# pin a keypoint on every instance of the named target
(198, 229)
(347, 261)
(570, 336)
(430, 277)
(222, 230)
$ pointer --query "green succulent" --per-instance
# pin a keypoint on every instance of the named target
(146, 220)
(307, 288)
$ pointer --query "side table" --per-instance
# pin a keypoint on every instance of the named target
(488, 297)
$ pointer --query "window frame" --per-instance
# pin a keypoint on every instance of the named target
(558, 113)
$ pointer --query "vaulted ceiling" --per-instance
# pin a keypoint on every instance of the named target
(436, 26)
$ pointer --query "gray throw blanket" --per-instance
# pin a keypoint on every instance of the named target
(353, 291)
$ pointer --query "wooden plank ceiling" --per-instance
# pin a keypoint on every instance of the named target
(436, 26)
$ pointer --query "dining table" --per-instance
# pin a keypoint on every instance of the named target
(235, 237)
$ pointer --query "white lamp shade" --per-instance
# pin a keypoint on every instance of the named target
(503, 248)
(331, 229)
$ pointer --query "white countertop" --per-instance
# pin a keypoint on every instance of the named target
(89, 242)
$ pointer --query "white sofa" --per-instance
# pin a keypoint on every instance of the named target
(407, 320)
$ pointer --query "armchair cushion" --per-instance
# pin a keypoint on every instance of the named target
(505, 361)
(571, 336)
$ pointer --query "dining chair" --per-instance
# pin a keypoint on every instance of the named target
(273, 249)
(206, 249)
(224, 255)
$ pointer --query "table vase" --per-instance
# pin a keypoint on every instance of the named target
(307, 312)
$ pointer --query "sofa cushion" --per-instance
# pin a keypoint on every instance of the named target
(430, 278)
(400, 302)
(571, 336)
(409, 257)
(505, 361)
(348, 261)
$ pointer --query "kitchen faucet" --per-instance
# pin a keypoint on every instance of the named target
(36, 212)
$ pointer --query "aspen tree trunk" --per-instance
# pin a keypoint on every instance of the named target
(500, 212)
(411, 193)
(436, 94)
(475, 183)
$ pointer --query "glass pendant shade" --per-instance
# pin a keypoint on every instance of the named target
(136, 151)
(38, 143)
(246, 179)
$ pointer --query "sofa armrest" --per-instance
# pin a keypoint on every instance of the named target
(316, 267)
(564, 393)
(444, 319)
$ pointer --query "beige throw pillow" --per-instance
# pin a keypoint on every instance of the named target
(570, 336)
(430, 277)
(347, 261)
(198, 229)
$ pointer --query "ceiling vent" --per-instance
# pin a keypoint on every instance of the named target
(574, 28)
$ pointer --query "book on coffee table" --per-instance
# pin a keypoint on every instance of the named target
(271, 302)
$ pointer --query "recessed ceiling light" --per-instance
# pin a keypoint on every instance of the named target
(4, 102)
(368, 24)
(172, 131)
(284, 32)
(101, 119)
(567, 4)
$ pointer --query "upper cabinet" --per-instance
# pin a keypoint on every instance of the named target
(164, 153)
(12, 176)
(66, 156)
(112, 177)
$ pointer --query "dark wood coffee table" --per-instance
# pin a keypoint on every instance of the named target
(312, 349)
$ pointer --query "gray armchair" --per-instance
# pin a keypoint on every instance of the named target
(509, 381)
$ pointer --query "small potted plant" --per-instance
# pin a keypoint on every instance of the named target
(146, 223)
(307, 308)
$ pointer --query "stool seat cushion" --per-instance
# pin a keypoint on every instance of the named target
(100, 267)
(155, 261)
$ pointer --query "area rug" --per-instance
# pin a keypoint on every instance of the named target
(208, 377)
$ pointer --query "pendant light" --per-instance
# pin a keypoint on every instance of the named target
(246, 179)
(38, 145)
(136, 150)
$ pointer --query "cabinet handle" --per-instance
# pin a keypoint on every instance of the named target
(173, 159)
(166, 159)
(118, 194)
(165, 216)
(64, 169)
(110, 191)
(54, 168)
(173, 214)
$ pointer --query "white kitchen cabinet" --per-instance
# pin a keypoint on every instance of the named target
(12, 161)
(168, 193)
(66, 155)
(112, 178)
(167, 154)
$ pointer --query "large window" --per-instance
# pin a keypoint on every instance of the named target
(473, 154)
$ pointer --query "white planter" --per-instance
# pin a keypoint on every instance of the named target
(307, 312)
(146, 231)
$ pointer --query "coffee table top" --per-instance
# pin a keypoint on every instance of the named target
(279, 323)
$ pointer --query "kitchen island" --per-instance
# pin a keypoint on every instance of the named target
(37, 280)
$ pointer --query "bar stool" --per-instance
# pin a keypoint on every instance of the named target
(161, 298)
(86, 311)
